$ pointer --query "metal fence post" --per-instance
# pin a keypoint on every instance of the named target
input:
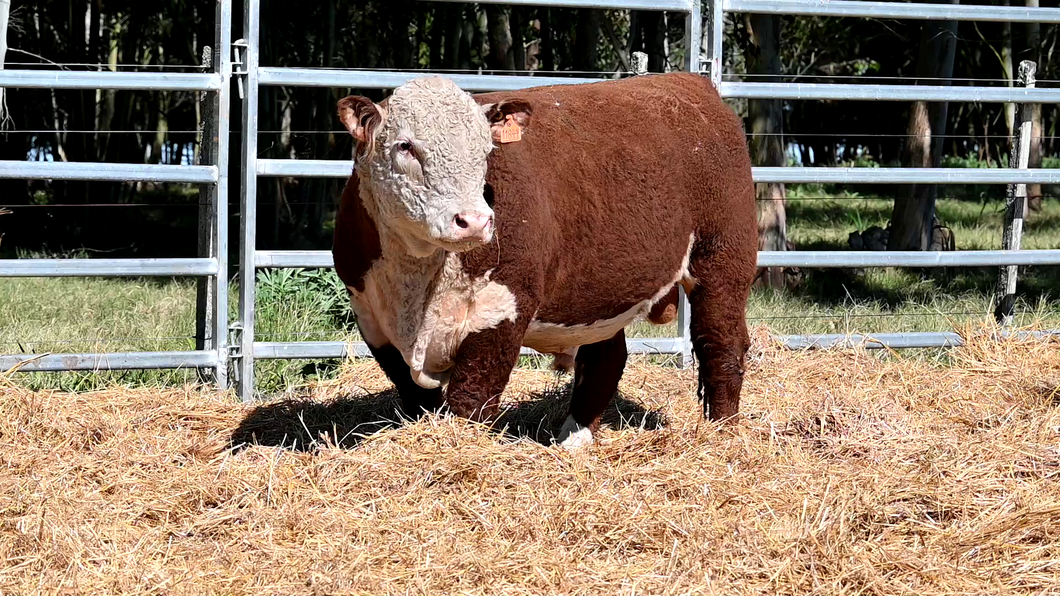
(717, 37)
(1016, 200)
(222, 62)
(248, 200)
(693, 38)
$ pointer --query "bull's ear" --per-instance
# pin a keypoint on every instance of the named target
(498, 114)
(362, 117)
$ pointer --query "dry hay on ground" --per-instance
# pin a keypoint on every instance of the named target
(851, 474)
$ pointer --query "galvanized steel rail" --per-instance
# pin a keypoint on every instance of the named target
(239, 352)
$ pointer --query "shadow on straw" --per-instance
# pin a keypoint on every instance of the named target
(540, 416)
(301, 424)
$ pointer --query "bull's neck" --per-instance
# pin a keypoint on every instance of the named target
(395, 243)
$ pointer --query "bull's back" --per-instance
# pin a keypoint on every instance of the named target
(630, 172)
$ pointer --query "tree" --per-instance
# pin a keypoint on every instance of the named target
(499, 26)
(766, 117)
(913, 218)
(1035, 54)
(5, 13)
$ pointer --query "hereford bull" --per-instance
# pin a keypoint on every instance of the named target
(550, 218)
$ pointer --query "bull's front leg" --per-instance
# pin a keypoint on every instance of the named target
(482, 367)
(415, 400)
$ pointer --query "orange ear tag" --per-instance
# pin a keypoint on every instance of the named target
(511, 132)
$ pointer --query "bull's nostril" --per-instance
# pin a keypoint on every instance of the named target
(461, 222)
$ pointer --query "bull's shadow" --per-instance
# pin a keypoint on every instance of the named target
(301, 424)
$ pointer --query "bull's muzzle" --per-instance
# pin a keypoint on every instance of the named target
(472, 226)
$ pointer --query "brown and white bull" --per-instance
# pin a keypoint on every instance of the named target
(550, 218)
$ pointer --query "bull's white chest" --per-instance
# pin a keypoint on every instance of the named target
(426, 308)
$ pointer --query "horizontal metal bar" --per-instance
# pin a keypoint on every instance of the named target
(324, 168)
(669, 5)
(152, 81)
(906, 175)
(336, 78)
(970, 258)
(362, 79)
(808, 91)
(115, 361)
(896, 341)
(107, 267)
(896, 10)
(280, 350)
(305, 168)
(337, 349)
(288, 259)
(107, 172)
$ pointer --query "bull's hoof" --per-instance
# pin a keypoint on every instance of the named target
(573, 435)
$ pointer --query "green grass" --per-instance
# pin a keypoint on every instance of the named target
(93, 315)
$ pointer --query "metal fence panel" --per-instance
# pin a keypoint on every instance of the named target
(213, 265)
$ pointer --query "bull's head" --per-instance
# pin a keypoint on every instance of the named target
(422, 156)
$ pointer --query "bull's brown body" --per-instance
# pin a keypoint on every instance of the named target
(616, 192)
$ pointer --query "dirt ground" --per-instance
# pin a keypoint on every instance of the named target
(850, 473)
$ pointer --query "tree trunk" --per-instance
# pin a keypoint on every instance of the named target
(767, 143)
(158, 146)
(651, 24)
(437, 36)
(5, 12)
(470, 38)
(1035, 54)
(588, 37)
(321, 187)
(453, 32)
(548, 55)
(517, 21)
(1008, 73)
(912, 220)
(403, 15)
(499, 34)
(421, 32)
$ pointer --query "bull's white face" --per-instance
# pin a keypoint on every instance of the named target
(422, 159)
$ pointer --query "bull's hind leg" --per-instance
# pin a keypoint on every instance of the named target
(719, 325)
(597, 370)
(414, 399)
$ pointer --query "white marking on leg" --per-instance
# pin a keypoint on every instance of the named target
(573, 435)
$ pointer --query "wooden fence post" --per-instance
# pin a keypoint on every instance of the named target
(1015, 200)
(204, 299)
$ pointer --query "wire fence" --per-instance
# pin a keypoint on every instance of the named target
(232, 347)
